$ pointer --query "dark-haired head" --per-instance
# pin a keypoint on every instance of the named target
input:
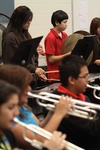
(19, 77)
(70, 66)
(95, 24)
(16, 75)
(6, 91)
(20, 16)
(58, 16)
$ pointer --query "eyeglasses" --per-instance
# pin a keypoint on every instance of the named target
(86, 76)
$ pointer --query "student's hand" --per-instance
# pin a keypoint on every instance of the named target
(40, 50)
(97, 62)
(68, 53)
(41, 73)
(63, 106)
(56, 141)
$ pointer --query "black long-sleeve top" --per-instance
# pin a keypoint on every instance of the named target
(10, 42)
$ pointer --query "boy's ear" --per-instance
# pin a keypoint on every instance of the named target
(71, 80)
(56, 23)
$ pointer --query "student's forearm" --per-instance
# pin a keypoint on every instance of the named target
(53, 123)
(18, 133)
(97, 62)
(47, 118)
(53, 59)
(51, 126)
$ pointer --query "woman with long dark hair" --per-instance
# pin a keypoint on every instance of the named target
(14, 34)
(95, 30)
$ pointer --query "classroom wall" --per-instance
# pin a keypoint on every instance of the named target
(80, 13)
(83, 12)
(42, 10)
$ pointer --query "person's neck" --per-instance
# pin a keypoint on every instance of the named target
(56, 29)
(68, 90)
(73, 90)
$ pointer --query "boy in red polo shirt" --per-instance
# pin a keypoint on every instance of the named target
(74, 77)
(53, 42)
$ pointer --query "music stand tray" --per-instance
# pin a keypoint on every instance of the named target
(25, 51)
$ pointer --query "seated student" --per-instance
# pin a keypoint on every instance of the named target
(95, 30)
(95, 66)
(89, 47)
(9, 100)
(74, 78)
(22, 78)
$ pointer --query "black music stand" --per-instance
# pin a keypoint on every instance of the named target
(84, 46)
(25, 51)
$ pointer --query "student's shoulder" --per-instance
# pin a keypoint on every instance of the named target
(11, 138)
(9, 36)
(57, 92)
(50, 35)
(65, 34)
(87, 98)
(50, 38)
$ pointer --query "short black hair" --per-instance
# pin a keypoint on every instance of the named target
(70, 66)
(58, 16)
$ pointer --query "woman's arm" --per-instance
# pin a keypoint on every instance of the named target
(18, 133)
(61, 110)
(9, 47)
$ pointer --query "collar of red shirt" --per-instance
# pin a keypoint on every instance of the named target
(55, 33)
(63, 90)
